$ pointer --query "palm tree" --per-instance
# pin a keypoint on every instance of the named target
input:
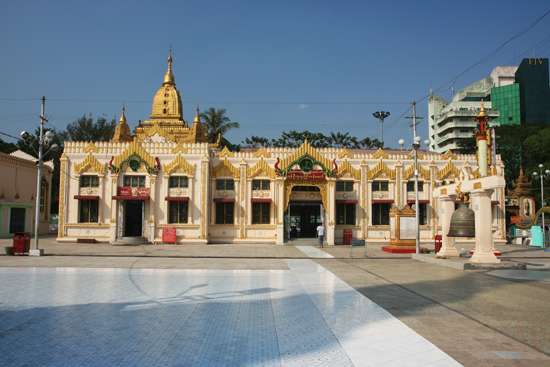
(217, 124)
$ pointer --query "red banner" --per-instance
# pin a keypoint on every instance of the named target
(142, 191)
(169, 235)
(296, 174)
(124, 191)
(515, 219)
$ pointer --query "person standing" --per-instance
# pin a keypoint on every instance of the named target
(320, 234)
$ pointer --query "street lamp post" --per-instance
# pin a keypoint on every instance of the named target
(416, 146)
(43, 142)
(542, 175)
(381, 115)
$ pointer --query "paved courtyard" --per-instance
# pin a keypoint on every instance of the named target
(299, 306)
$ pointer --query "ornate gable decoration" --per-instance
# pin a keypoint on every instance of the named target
(225, 153)
(149, 131)
(90, 147)
(449, 155)
(381, 169)
(224, 169)
(449, 169)
(262, 153)
(346, 168)
(409, 172)
(134, 152)
(411, 155)
(380, 154)
(89, 164)
(345, 153)
(261, 169)
(306, 157)
(179, 149)
(178, 162)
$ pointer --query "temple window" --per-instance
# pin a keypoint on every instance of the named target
(381, 214)
(134, 181)
(89, 181)
(43, 194)
(88, 211)
(260, 185)
(260, 213)
(410, 186)
(344, 186)
(380, 186)
(179, 181)
(345, 213)
(227, 185)
(224, 212)
(178, 212)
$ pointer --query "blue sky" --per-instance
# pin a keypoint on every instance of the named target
(275, 66)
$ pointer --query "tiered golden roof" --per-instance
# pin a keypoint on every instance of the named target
(166, 119)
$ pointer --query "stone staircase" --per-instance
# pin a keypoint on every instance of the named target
(131, 241)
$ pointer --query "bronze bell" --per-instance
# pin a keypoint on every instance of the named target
(463, 222)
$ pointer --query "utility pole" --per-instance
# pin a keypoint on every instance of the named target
(414, 118)
(36, 251)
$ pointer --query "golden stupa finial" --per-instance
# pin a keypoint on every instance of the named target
(482, 110)
(197, 117)
(122, 117)
(169, 77)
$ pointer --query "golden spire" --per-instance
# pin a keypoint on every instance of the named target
(482, 111)
(169, 77)
(197, 117)
(122, 117)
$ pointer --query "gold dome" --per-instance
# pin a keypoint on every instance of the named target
(197, 117)
(167, 106)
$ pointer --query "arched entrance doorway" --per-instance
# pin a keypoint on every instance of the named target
(304, 210)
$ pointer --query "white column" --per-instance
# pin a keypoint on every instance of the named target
(480, 201)
(280, 209)
(447, 208)
(331, 203)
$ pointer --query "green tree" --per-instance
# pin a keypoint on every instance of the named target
(256, 142)
(294, 139)
(6, 147)
(218, 124)
(85, 129)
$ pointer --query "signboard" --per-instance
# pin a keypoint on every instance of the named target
(169, 235)
(356, 243)
(315, 174)
(142, 191)
(125, 191)
(407, 230)
(515, 219)
(392, 227)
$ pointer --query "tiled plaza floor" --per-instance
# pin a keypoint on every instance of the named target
(304, 316)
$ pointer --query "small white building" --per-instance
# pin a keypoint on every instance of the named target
(18, 194)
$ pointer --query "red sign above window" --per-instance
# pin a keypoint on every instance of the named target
(296, 174)
(515, 219)
(142, 191)
(124, 191)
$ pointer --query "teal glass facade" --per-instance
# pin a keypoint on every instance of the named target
(532, 77)
(506, 99)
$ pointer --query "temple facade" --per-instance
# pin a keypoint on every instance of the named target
(169, 177)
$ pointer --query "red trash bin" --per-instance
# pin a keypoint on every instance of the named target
(438, 239)
(21, 242)
(348, 234)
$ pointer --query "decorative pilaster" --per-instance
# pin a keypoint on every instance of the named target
(114, 203)
(331, 210)
(205, 167)
(62, 194)
(152, 207)
(280, 209)
(243, 200)
(364, 201)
